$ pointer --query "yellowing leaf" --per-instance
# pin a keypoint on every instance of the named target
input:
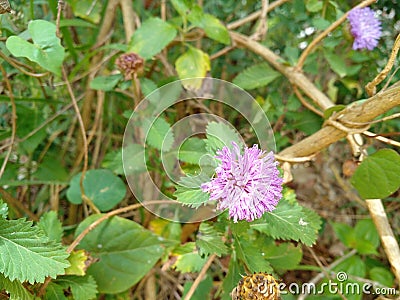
(77, 260)
(193, 63)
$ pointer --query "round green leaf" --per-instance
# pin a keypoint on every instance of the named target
(377, 176)
(46, 49)
(101, 186)
(126, 252)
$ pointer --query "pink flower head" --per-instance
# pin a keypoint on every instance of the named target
(365, 28)
(247, 185)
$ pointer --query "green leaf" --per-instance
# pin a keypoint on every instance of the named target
(328, 112)
(15, 289)
(366, 230)
(235, 271)
(160, 135)
(27, 254)
(314, 5)
(51, 226)
(119, 243)
(182, 6)
(285, 256)
(191, 197)
(203, 290)
(192, 150)
(113, 161)
(191, 64)
(220, 135)
(345, 233)
(291, 222)
(134, 159)
(251, 256)
(77, 260)
(150, 38)
(337, 63)
(105, 83)
(382, 275)
(377, 176)
(209, 241)
(51, 169)
(211, 25)
(82, 287)
(101, 186)
(148, 86)
(256, 76)
(189, 262)
(86, 9)
(46, 49)
(54, 292)
(3, 209)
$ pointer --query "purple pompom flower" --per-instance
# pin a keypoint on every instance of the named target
(247, 185)
(365, 28)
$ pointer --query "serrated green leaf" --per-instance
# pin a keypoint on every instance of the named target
(105, 83)
(377, 176)
(51, 226)
(193, 63)
(3, 209)
(189, 262)
(191, 197)
(209, 241)
(126, 252)
(82, 287)
(151, 37)
(290, 222)
(46, 49)
(251, 256)
(77, 261)
(101, 186)
(192, 150)
(15, 289)
(220, 135)
(256, 76)
(27, 254)
(160, 135)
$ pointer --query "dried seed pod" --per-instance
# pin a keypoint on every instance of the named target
(130, 64)
(5, 7)
(260, 286)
